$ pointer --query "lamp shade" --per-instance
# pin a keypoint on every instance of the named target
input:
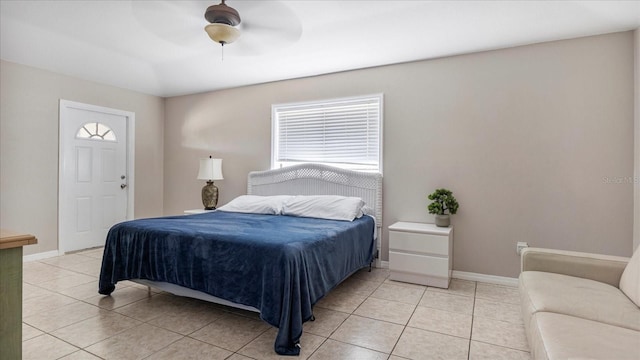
(210, 169)
(222, 33)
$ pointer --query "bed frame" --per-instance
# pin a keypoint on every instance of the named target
(316, 179)
(304, 179)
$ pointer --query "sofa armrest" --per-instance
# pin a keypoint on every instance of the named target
(603, 268)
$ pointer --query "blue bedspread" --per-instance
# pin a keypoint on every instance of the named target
(280, 265)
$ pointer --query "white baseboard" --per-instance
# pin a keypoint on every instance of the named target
(463, 275)
(42, 255)
(491, 279)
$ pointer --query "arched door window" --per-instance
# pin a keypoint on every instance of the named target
(96, 131)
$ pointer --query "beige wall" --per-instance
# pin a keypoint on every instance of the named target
(524, 137)
(29, 147)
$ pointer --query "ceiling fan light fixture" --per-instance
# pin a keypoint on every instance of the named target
(222, 33)
(223, 20)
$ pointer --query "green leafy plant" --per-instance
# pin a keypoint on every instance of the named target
(443, 201)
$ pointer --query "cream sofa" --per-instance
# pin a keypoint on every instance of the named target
(579, 305)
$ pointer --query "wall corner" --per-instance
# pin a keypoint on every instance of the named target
(636, 141)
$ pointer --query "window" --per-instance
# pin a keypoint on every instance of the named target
(96, 131)
(346, 133)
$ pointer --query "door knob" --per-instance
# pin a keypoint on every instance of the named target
(122, 186)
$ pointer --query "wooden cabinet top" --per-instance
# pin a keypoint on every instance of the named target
(10, 239)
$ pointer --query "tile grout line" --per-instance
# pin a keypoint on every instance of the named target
(345, 319)
(100, 308)
(250, 341)
(407, 324)
(493, 319)
(316, 349)
(169, 344)
(504, 347)
(57, 338)
(67, 269)
(473, 311)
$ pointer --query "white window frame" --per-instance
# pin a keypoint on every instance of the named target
(94, 135)
(275, 125)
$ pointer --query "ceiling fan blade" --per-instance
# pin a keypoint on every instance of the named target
(258, 43)
(282, 33)
(266, 26)
(179, 22)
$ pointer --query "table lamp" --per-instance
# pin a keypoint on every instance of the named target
(210, 169)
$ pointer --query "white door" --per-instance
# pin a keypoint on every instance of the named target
(94, 173)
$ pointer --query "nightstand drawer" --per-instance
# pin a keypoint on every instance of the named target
(419, 243)
(418, 264)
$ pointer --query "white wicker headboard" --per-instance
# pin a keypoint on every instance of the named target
(316, 179)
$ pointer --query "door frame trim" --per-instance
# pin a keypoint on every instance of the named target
(65, 106)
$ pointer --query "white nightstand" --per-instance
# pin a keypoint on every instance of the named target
(196, 211)
(421, 253)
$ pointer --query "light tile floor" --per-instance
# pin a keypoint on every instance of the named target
(366, 317)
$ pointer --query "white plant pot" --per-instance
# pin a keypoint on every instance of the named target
(443, 220)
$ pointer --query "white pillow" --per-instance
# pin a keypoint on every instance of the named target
(254, 204)
(366, 210)
(331, 207)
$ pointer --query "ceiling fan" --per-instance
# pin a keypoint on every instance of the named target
(255, 27)
(224, 20)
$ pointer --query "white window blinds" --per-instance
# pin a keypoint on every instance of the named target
(341, 132)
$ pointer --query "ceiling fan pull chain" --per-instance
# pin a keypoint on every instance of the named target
(222, 51)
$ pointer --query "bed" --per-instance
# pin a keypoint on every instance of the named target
(279, 266)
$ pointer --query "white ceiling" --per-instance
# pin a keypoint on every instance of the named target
(160, 47)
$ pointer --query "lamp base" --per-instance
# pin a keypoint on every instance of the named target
(210, 196)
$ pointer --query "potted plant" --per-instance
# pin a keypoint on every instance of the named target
(443, 204)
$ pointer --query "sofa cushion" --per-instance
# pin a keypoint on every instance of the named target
(630, 280)
(558, 336)
(588, 299)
